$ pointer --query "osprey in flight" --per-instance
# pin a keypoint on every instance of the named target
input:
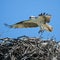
(41, 21)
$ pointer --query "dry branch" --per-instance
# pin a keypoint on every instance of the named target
(25, 48)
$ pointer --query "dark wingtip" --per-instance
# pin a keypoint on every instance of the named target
(10, 26)
(40, 14)
(44, 13)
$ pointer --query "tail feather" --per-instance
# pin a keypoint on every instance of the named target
(47, 27)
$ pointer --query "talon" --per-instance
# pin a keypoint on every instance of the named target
(41, 31)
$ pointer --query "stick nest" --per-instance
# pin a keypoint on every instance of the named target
(25, 48)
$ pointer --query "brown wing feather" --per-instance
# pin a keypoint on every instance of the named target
(24, 25)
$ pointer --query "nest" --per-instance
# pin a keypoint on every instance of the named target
(25, 48)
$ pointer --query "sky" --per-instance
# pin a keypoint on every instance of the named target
(13, 11)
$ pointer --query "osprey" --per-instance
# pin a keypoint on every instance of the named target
(41, 21)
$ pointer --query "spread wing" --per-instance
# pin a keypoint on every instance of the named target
(45, 17)
(23, 24)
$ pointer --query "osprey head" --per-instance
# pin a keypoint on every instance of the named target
(47, 17)
(32, 17)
